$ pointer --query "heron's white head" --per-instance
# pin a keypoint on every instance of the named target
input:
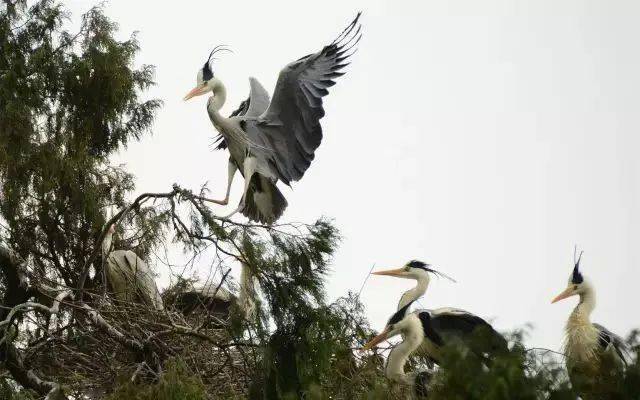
(414, 269)
(205, 80)
(577, 284)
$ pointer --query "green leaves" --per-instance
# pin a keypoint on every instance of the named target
(69, 100)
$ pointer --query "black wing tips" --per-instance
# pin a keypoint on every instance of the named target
(346, 41)
(342, 47)
(349, 29)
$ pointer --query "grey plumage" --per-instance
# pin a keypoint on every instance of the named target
(287, 134)
(447, 326)
(610, 342)
(278, 136)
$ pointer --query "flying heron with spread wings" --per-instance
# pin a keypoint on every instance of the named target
(275, 139)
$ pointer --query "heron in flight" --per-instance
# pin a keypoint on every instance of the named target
(595, 357)
(275, 139)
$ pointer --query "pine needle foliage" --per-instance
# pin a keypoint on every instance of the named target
(69, 100)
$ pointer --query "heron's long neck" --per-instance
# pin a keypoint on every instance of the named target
(216, 102)
(587, 304)
(106, 244)
(400, 353)
(581, 340)
(415, 293)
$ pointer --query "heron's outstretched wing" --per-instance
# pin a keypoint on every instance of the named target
(254, 106)
(608, 339)
(289, 131)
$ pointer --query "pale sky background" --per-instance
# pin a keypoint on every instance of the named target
(486, 137)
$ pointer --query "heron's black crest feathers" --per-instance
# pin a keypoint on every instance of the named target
(428, 267)
(577, 277)
(207, 72)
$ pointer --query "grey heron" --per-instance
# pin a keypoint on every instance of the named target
(128, 275)
(275, 139)
(420, 272)
(218, 300)
(434, 329)
(412, 329)
(442, 325)
(594, 355)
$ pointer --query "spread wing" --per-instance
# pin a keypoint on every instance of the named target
(288, 132)
(252, 107)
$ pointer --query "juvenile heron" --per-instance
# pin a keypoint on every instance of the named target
(271, 140)
(595, 357)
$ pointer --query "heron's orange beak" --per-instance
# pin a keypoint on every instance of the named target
(380, 338)
(390, 272)
(568, 292)
(196, 91)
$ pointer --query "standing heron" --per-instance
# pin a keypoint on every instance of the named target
(271, 140)
(595, 357)
(130, 278)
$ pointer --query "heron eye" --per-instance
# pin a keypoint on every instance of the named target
(406, 269)
(575, 287)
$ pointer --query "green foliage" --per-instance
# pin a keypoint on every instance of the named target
(176, 383)
(511, 376)
(68, 100)
(314, 353)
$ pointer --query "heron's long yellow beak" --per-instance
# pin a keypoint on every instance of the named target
(196, 91)
(390, 272)
(380, 338)
(568, 292)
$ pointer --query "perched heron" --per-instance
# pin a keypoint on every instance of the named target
(595, 357)
(130, 278)
(412, 328)
(271, 140)
(442, 325)
(420, 272)
(218, 300)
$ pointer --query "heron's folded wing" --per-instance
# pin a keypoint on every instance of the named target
(290, 127)
(607, 338)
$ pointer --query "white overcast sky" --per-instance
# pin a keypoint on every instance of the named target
(487, 137)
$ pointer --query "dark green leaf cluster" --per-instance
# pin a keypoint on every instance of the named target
(176, 383)
(68, 100)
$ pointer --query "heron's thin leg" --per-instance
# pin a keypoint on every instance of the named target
(231, 170)
(228, 216)
(249, 169)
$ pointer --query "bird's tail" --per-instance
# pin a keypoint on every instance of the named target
(264, 202)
